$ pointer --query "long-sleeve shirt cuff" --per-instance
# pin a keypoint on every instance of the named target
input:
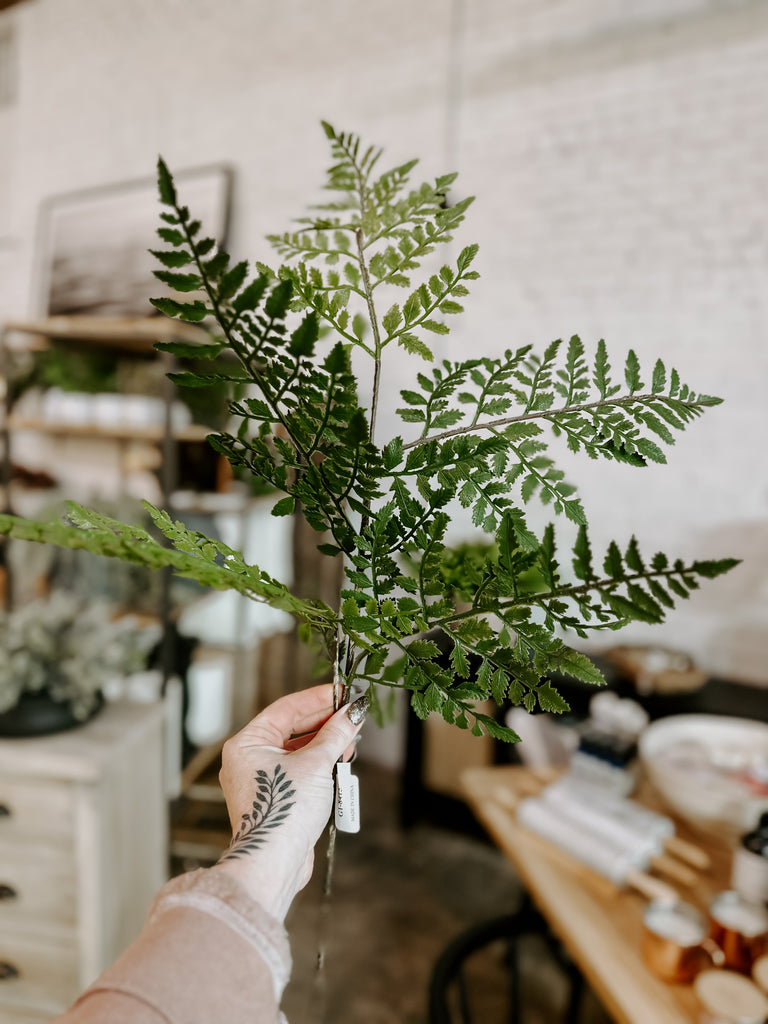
(207, 952)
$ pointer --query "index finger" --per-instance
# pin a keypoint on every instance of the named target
(299, 712)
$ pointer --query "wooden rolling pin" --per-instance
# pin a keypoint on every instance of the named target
(627, 821)
(646, 849)
(605, 858)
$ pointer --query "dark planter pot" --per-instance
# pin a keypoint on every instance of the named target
(37, 714)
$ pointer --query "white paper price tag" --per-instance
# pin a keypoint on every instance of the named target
(347, 814)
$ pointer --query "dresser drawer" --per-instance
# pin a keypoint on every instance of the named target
(37, 888)
(20, 1015)
(37, 975)
(37, 811)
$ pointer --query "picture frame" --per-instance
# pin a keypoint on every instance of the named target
(94, 257)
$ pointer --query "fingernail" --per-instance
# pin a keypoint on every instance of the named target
(358, 709)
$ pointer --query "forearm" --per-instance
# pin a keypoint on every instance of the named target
(207, 952)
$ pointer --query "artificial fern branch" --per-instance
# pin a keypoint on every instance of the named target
(600, 587)
(481, 439)
(192, 555)
(693, 406)
(678, 409)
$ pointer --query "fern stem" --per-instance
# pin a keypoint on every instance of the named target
(428, 310)
(288, 381)
(483, 585)
(501, 374)
(355, 665)
(352, 476)
(326, 416)
(373, 321)
(544, 484)
(583, 589)
(338, 505)
(329, 319)
(400, 544)
(541, 371)
(388, 231)
(548, 414)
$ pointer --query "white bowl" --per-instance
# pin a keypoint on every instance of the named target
(702, 767)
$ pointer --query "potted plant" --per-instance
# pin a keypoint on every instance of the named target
(474, 432)
(57, 656)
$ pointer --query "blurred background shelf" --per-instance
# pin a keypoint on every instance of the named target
(145, 444)
(116, 433)
(136, 335)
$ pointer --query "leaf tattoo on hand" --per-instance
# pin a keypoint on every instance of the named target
(270, 809)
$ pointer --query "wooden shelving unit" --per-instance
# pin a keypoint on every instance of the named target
(135, 338)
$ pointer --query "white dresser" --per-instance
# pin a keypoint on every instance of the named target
(83, 849)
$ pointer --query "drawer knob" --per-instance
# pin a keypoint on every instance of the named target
(7, 970)
(5, 811)
(7, 892)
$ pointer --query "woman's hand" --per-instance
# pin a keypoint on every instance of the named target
(277, 778)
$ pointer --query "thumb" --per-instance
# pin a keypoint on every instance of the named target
(339, 731)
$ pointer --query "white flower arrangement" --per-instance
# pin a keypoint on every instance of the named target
(69, 650)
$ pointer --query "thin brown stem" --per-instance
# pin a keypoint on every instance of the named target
(339, 696)
(546, 414)
(374, 327)
(568, 592)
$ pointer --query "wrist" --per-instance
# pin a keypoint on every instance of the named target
(261, 884)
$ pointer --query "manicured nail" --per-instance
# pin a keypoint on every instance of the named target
(358, 709)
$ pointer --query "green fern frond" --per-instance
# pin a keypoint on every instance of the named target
(192, 555)
(480, 432)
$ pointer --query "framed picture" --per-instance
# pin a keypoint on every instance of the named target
(94, 245)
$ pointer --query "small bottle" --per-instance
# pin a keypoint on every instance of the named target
(750, 864)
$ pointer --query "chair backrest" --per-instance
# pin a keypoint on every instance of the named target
(450, 998)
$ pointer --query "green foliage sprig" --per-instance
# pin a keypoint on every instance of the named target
(480, 434)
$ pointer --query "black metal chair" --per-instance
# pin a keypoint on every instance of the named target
(449, 995)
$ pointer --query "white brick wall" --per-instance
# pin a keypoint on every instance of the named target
(619, 152)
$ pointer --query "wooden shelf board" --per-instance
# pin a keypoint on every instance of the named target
(209, 502)
(98, 432)
(137, 334)
(205, 793)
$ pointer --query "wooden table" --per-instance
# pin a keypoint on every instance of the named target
(599, 924)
